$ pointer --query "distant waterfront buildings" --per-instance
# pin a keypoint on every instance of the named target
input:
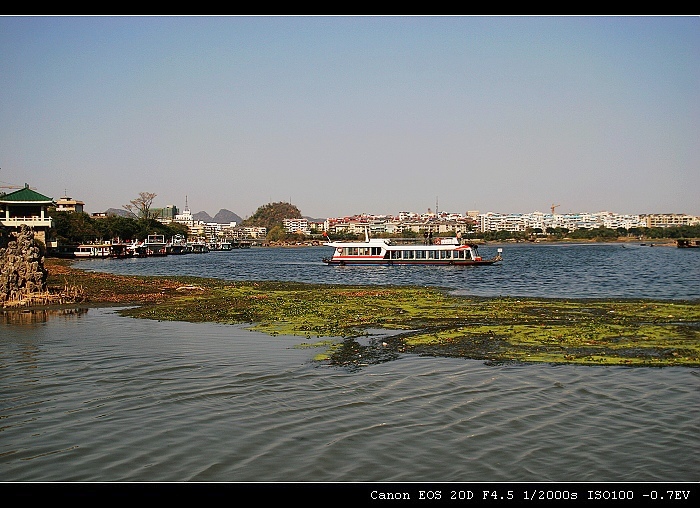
(474, 221)
(447, 223)
(13, 206)
(543, 221)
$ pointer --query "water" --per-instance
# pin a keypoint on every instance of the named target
(89, 396)
(543, 270)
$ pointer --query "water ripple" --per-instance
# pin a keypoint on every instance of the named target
(159, 401)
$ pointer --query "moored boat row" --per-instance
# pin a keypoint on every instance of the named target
(154, 245)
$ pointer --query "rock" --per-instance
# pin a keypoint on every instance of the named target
(22, 269)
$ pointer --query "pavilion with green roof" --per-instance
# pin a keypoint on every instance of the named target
(26, 207)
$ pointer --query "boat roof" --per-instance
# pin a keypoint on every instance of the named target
(385, 242)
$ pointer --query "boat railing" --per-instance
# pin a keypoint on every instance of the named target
(436, 240)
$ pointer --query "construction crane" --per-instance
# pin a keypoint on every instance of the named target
(12, 186)
(553, 207)
(8, 186)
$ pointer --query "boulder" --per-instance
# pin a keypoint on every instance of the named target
(22, 271)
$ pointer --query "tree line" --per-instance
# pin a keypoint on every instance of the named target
(598, 234)
(78, 227)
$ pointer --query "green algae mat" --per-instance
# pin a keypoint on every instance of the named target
(361, 325)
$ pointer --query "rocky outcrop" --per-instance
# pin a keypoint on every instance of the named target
(22, 271)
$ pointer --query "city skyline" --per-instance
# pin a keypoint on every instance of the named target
(343, 115)
(430, 211)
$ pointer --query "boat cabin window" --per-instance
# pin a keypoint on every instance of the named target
(362, 251)
(408, 254)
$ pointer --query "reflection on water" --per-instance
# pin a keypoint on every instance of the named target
(33, 316)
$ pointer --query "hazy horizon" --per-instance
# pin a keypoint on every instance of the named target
(344, 115)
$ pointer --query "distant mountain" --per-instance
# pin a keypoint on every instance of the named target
(226, 217)
(223, 216)
(202, 216)
(118, 211)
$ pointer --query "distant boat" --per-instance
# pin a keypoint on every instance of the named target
(197, 247)
(241, 244)
(155, 245)
(177, 245)
(121, 250)
(683, 243)
(93, 250)
(382, 251)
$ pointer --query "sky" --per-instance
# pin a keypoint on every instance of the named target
(344, 115)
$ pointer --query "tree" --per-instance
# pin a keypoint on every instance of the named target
(114, 226)
(141, 206)
(73, 227)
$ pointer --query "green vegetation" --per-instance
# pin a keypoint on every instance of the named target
(430, 322)
(597, 234)
(358, 325)
(272, 215)
(79, 227)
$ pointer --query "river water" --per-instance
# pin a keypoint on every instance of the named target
(89, 396)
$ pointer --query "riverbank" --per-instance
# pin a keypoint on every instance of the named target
(358, 325)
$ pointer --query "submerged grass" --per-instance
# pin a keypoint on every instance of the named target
(419, 320)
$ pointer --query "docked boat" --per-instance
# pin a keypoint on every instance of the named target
(93, 250)
(155, 245)
(197, 247)
(177, 245)
(684, 243)
(382, 251)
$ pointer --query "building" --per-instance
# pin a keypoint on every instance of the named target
(185, 218)
(667, 220)
(26, 207)
(165, 215)
(68, 204)
(296, 226)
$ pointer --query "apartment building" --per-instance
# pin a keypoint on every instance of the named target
(296, 226)
(667, 220)
(68, 204)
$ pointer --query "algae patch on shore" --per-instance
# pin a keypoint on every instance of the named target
(429, 321)
(361, 325)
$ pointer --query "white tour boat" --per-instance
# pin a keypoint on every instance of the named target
(382, 251)
(93, 250)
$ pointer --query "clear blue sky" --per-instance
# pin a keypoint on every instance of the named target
(345, 115)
